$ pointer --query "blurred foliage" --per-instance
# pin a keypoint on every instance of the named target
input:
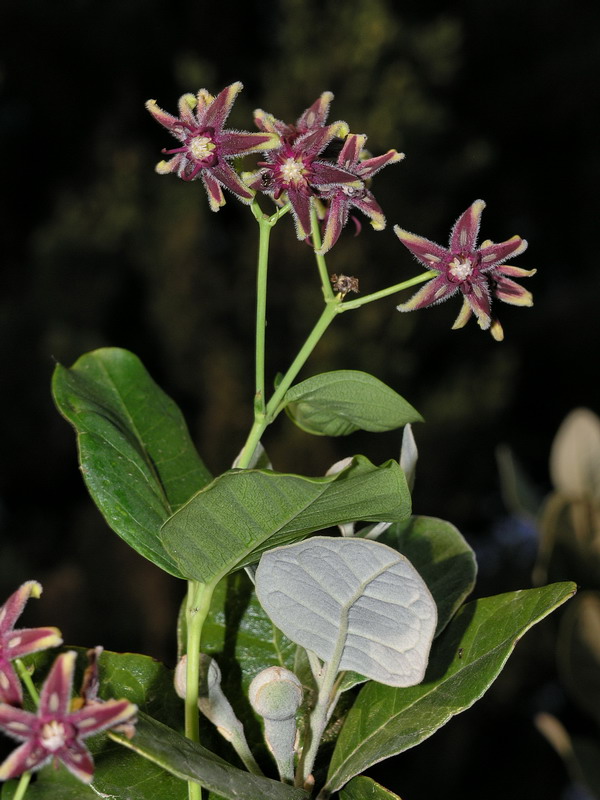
(570, 544)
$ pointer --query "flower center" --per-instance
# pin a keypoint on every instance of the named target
(203, 149)
(53, 735)
(293, 171)
(460, 269)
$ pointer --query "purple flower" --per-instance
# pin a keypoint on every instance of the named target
(205, 146)
(55, 732)
(19, 643)
(479, 273)
(342, 198)
(294, 169)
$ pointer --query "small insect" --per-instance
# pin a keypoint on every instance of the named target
(460, 652)
(344, 284)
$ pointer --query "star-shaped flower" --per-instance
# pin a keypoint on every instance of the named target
(18, 643)
(343, 197)
(479, 273)
(295, 169)
(206, 146)
(55, 732)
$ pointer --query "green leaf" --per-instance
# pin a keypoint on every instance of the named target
(442, 557)
(136, 455)
(363, 788)
(190, 761)
(357, 604)
(341, 402)
(231, 522)
(464, 662)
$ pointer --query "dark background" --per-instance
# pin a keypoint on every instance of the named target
(495, 99)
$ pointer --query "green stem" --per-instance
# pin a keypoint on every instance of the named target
(22, 787)
(264, 228)
(350, 305)
(25, 676)
(198, 604)
(328, 292)
(262, 420)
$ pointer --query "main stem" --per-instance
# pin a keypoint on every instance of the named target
(198, 604)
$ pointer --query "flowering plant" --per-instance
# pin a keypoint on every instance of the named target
(324, 627)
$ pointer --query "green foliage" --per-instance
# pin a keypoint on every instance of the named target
(136, 455)
(363, 788)
(231, 522)
(190, 761)
(339, 403)
(464, 662)
(443, 558)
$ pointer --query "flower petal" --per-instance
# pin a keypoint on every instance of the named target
(337, 216)
(11, 691)
(315, 115)
(171, 123)
(496, 330)
(478, 297)
(17, 723)
(78, 760)
(237, 143)
(369, 206)
(12, 609)
(28, 756)
(300, 204)
(55, 697)
(427, 252)
(213, 189)
(350, 152)
(494, 254)
(511, 292)
(464, 315)
(435, 291)
(99, 716)
(324, 174)
(515, 272)
(216, 112)
(368, 167)
(228, 178)
(464, 232)
(31, 640)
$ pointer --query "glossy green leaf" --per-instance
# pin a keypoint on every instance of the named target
(136, 455)
(363, 788)
(231, 522)
(355, 603)
(464, 662)
(190, 761)
(341, 402)
(441, 556)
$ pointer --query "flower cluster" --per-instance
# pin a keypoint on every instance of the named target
(478, 273)
(319, 167)
(296, 169)
(56, 730)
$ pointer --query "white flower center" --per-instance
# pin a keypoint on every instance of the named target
(293, 171)
(53, 735)
(460, 268)
(201, 147)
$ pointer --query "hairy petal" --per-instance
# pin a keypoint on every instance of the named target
(370, 166)
(494, 254)
(435, 291)
(227, 176)
(12, 609)
(427, 252)
(55, 697)
(28, 756)
(316, 114)
(511, 292)
(478, 297)
(217, 111)
(213, 189)
(337, 217)
(464, 315)
(464, 232)
(32, 640)
(239, 142)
